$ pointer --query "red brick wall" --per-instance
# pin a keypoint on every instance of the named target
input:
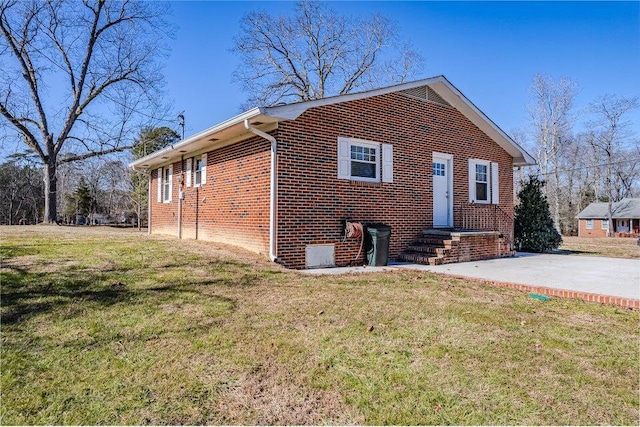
(164, 215)
(596, 231)
(233, 205)
(313, 202)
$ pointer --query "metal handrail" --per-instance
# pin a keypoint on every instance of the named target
(473, 216)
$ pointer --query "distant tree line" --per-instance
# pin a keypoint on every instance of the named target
(584, 154)
(21, 190)
(90, 192)
(96, 190)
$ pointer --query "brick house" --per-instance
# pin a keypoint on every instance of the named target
(286, 180)
(593, 221)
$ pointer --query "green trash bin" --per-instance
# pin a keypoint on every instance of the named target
(377, 244)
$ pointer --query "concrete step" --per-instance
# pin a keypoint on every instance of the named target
(438, 232)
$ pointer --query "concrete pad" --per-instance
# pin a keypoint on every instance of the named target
(597, 275)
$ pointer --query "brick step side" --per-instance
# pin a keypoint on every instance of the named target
(427, 249)
(419, 258)
(436, 232)
(430, 241)
(431, 247)
(435, 237)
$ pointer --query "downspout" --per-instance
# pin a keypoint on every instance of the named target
(272, 198)
(180, 196)
(149, 205)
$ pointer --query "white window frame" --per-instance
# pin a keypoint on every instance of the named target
(604, 224)
(376, 162)
(492, 182)
(473, 181)
(167, 184)
(588, 224)
(383, 160)
(159, 186)
(200, 170)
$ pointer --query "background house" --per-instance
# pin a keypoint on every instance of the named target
(285, 180)
(593, 220)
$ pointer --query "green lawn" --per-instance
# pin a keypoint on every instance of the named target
(115, 327)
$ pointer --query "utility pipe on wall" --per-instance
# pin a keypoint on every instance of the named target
(180, 180)
(273, 193)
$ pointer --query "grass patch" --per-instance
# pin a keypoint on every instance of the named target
(618, 247)
(114, 327)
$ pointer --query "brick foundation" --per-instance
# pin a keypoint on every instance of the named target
(473, 246)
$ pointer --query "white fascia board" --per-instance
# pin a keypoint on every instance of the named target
(184, 144)
(443, 87)
(293, 111)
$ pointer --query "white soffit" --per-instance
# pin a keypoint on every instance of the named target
(209, 137)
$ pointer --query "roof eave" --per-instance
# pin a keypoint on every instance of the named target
(453, 96)
(292, 111)
(162, 156)
(444, 88)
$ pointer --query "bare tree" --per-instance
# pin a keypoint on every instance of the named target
(552, 123)
(99, 56)
(317, 53)
(611, 139)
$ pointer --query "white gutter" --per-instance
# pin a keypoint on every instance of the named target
(167, 151)
(272, 198)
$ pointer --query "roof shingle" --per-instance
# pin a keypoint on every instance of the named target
(625, 208)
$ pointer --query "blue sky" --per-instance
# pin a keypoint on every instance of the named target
(489, 50)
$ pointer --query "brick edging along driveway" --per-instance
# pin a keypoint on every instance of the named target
(562, 293)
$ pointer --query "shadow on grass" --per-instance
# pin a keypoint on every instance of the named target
(27, 294)
(24, 294)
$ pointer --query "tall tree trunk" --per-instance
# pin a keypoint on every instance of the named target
(11, 211)
(610, 193)
(50, 191)
(556, 193)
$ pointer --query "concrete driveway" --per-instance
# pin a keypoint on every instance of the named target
(598, 275)
(615, 277)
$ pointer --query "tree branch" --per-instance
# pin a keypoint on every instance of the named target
(29, 138)
(74, 158)
(22, 55)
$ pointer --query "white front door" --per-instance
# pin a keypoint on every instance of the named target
(442, 173)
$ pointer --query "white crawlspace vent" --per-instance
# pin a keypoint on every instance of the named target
(320, 256)
(425, 93)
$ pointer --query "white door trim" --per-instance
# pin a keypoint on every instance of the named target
(448, 160)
